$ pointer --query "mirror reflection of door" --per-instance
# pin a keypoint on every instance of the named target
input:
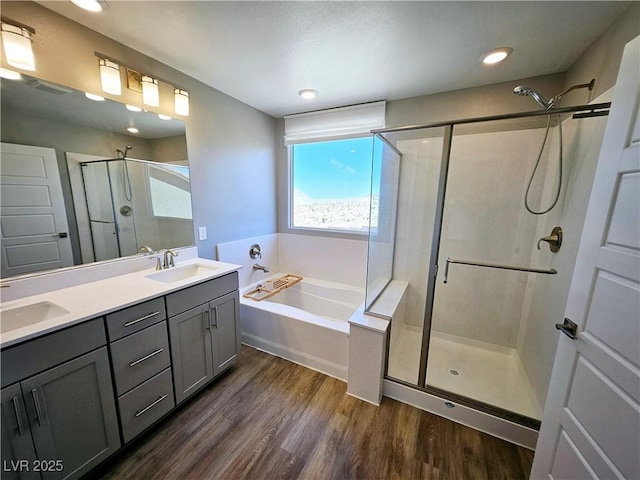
(33, 220)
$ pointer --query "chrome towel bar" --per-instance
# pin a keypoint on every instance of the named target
(477, 263)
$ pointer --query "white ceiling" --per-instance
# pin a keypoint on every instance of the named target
(264, 52)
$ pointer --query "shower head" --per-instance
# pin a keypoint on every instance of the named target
(524, 92)
(126, 150)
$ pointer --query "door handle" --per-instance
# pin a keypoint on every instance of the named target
(63, 235)
(569, 328)
(207, 321)
(215, 311)
(16, 410)
(36, 404)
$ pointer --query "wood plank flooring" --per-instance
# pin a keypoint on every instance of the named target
(271, 419)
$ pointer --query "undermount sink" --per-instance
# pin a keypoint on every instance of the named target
(177, 274)
(29, 315)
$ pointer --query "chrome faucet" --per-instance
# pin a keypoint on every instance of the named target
(257, 266)
(146, 249)
(168, 258)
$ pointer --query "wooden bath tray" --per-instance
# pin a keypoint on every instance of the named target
(261, 292)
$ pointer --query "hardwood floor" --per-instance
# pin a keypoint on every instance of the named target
(271, 419)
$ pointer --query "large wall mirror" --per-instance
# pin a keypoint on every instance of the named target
(77, 187)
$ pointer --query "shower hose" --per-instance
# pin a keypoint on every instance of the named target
(535, 168)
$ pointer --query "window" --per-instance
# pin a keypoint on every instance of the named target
(331, 185)
(170, 193)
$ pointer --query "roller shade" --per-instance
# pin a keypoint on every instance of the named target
(333, 124)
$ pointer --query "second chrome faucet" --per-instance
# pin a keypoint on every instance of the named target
(257, 266)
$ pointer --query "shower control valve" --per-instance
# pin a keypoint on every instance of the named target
(554, 240)
(255, 251)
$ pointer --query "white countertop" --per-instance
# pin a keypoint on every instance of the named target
(93, 299)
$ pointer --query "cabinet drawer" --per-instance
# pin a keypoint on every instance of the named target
(134, 319)
(191, 297)
(145, 404)
(140, 356)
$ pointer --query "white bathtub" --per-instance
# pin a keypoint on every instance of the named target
(306, 323)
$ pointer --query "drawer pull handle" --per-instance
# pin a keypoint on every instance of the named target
(16, 410)
(133, 322)
(146, 357)
(36, 404)
(152, 405)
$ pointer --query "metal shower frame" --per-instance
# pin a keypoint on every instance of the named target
(579, 111)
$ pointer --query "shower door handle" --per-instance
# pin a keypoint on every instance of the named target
(569, 328)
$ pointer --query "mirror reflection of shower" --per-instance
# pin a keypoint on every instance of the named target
(134, 202)
(548, 105)
(126, 181)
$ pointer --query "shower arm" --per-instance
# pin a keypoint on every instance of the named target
(476, 263)
(589, 85)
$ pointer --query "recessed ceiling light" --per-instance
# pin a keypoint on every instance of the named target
(133, 108)
(93, 96)
(133, 130)
(9, 74)
(164, 117)
(496, 55)
(308, 93)
(90, 5)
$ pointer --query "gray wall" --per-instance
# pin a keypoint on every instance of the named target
(602, 59)
(230, 145)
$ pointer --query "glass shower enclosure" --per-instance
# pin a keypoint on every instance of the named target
(476, 328)
(132, 203)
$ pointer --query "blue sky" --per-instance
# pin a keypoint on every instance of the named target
(333, 170)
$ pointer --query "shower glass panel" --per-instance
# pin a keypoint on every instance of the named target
(476, 325)
(479, 316)
(133, 203)
(97, 185)
(422, 160)
(385, 170)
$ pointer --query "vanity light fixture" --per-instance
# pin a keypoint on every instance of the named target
(164, 117)
(496, 55)
(181, 102)
(150, 93)
(94, 97)
(308, 93)
(133, 108)
(133, 130)
(90, 5)
(9, 74)
(110, 76)
(17, 45)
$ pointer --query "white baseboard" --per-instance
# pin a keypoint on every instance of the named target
(296, 356)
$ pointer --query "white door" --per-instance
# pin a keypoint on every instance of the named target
(591, 421)
(33, 221)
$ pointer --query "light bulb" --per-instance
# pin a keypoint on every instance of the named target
(110, 76)
(17, 47)
(181, 102)
(150, 94)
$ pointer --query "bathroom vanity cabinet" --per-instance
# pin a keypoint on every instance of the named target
(72, 397)
(204, 332)
(58, 414)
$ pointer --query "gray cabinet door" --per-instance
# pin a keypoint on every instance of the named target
(191, 351)
(72, 414)
(225, 331)
(18, 454)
